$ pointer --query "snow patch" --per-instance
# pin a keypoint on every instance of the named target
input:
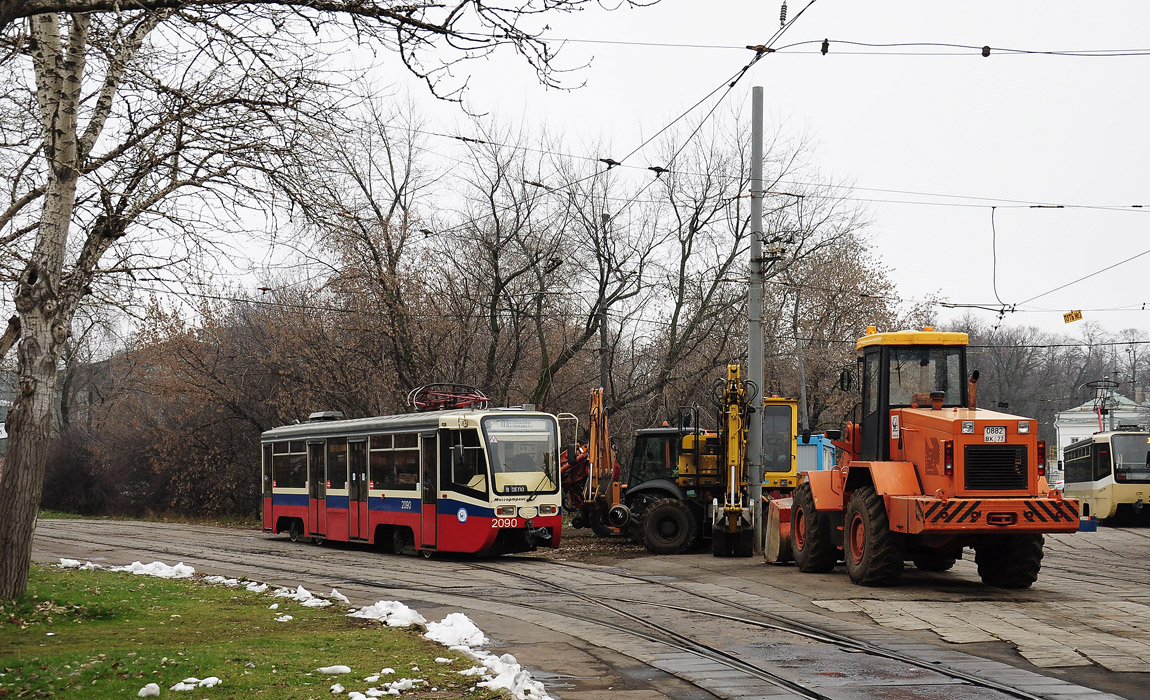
(150, 690)
(332, 670)
(392, 613)
(456, 630)
(157, 569)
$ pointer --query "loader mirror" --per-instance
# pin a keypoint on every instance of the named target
(806, 437)
(833, 434)
(845, 380)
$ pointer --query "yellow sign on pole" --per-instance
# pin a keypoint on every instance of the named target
(1072, 317)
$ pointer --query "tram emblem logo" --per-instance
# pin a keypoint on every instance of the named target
(461, 514)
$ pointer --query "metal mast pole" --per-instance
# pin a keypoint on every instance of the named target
(755, 319)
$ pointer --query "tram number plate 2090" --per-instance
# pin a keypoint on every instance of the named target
(995, 433)
(504, 522)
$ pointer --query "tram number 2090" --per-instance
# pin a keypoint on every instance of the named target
(504, 522)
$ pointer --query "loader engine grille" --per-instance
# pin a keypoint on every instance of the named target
(995, 467)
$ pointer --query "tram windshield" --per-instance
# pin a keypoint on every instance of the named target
(916, 372)
(1131, 454)
(523, 452)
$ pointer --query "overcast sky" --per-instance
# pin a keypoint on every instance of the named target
(957, 133)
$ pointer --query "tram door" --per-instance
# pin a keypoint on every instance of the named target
(429, 480)
(357, 524)
(316, 489)
(269, 517)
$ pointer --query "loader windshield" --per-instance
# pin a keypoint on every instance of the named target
(915, 372)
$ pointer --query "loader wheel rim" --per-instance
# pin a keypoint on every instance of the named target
(800, 528)
(857, 538)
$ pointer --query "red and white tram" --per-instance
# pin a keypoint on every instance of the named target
(471, 479)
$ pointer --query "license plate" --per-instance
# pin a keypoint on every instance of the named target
(995, 433)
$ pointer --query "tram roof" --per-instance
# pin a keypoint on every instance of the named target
(384, 424)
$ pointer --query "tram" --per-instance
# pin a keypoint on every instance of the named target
(455, 476)
(1110, 472)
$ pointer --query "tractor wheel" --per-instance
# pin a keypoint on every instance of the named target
(933, 560)
(810, 534)
(595, 522)
(1009, 561)
(871, 550)
(668, 527)
(295, 531)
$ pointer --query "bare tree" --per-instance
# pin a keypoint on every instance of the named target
(164, 115)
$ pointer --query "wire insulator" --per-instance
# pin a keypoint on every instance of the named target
(826, 46)
(783, 14)
(985, 51)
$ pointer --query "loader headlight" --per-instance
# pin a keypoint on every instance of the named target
(1023, 427)
(968, 427)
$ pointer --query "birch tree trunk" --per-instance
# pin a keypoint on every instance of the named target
(45, 310)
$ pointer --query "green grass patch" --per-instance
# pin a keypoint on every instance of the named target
(98, 634)
(58, 515)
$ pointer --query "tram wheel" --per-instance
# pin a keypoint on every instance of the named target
(295, 531)
(398, 540)
(318, 540)
(427, 553)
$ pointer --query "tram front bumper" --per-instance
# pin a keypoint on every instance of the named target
(926, 515)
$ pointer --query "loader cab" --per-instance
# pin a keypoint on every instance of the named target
(901, 370)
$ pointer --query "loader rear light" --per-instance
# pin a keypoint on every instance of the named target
(948, 457)
(1042, 458)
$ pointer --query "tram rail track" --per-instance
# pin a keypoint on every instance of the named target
(255, 552)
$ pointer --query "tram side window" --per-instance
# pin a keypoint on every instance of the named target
(1101, 460)
(337, 463)
(289, 465)
(407, 468)
(395, 462)
(383, 474)
(468, 462)
(1078, 468)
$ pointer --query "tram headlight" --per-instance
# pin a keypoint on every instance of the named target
(505, 511)
(548, 510)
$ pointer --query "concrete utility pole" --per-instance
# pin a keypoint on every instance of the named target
(604, 364)
(755, 318)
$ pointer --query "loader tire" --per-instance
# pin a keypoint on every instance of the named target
(668, 527)
(872, 552)
(1009, 561)
(930, 560)
(811, 542)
